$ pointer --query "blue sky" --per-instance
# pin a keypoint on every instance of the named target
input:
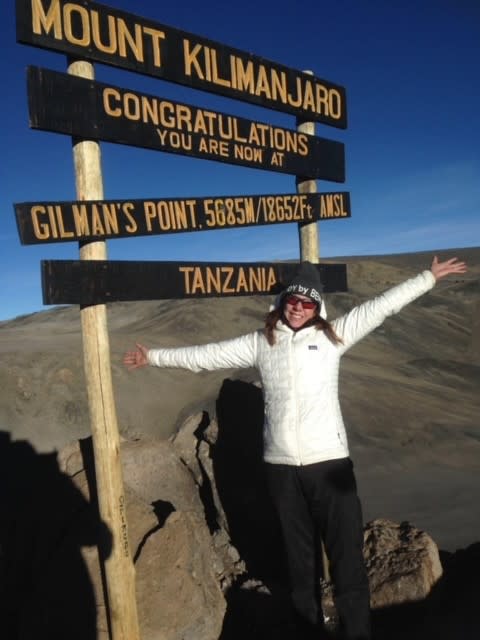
(412, 144)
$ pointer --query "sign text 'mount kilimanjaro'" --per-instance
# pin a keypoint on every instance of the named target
(46, 222)
(88, 282)
(83, 108)
(96, 32)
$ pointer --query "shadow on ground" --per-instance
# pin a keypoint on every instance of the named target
(45, 589)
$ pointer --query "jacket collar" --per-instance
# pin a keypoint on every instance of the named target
(284, 328)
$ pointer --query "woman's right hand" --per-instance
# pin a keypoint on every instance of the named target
(442, 269)
(136, 359)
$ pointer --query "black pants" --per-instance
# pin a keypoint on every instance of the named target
(319, 502)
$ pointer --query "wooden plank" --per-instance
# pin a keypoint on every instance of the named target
(99, 33)
(62, 221)
(99, 281)
(98, 111)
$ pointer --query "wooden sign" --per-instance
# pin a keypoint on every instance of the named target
(90, 282)
(83, 108)
(95, 32)
(46, 222)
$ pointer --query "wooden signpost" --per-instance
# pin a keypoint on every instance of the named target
(48, 222)
(102, 34)
(97, 281)
(78, 107)
(75, 105)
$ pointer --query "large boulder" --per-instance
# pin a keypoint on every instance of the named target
(403, 563)
(56, 576)
(178, 592)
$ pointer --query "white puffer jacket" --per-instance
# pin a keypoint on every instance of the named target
(303, 420)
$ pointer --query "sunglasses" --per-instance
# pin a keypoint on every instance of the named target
(306, 304)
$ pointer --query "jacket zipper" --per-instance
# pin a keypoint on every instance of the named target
(295, 399)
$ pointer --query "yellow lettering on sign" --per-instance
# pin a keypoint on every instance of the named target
(167, 114)
(170, 215)
(131, 106)
(328, 101)
(97, 30)
(216, 79)
(112, 46)
(61, 227)
(69, 10)
(110, 96)
(41, 229)
(255, 134)
(302, 144)
(184, 117)
(156, 36)
(326, 206)
(296, 101)
(164, 214)
(215, 128)
(308, 100)
(186, 280)
(42, 21)
(80, 26)
(236, 134)
(250, 154)
(249, 210)
(244, 75)
(225, 127)
(277, 159)
(150, 213)
(190, 59)
(100, 219)
(241, 281)
(200, 125)
(228, 272)
(97, 226)
(271, 279)
(212, 146)
(80, 220)
(197, 283)
(53, 221)
(332, 206)
(322, 98)
(224, 149)
(109, 212)
(279, 86)
(127, 208)
(263, 85)
(255, 280)
(227, 279)
(339, 205)
(214, 280)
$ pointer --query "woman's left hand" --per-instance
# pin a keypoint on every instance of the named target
(136, 359)
(442, 269)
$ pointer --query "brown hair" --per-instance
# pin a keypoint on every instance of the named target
(317, 321)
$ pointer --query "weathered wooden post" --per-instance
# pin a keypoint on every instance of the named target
(118, 566)
(310, 250)
(308, 232)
